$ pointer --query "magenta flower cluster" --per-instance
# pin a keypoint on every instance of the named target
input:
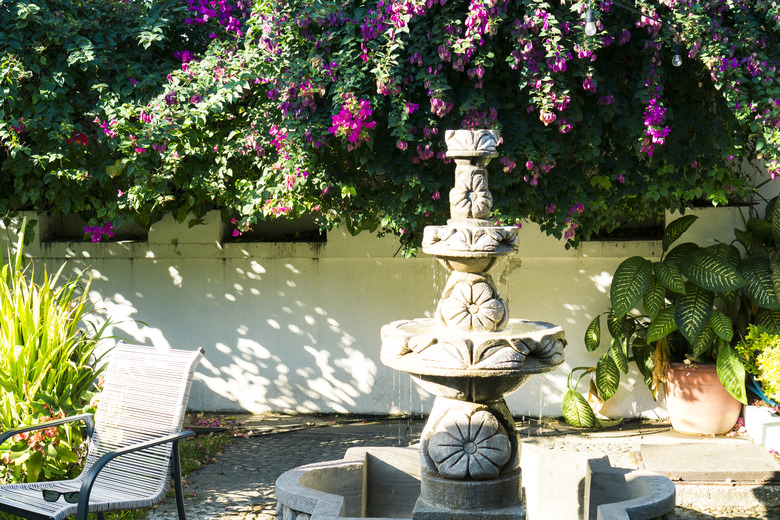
(228, 14)
(654, 115)
(353, 121)
(99, 232)
(107, 127)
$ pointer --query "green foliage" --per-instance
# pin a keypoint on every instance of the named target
(48, 366)
(577, 411)
(99, 117)
(761, 351)
(201, 450)
(66, 68)
(629, 284)
(699, 302)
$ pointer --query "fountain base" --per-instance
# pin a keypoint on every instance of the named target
(385, 483)
(423, 511)
(497, 499)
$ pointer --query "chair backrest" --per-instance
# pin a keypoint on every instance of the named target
(144, 396)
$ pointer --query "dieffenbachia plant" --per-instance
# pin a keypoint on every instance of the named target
(697, 302)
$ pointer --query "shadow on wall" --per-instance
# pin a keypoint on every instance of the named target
(294, 335)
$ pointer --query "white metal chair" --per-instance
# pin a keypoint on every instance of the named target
(132, 440)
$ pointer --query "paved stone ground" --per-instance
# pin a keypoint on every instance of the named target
(240, 486)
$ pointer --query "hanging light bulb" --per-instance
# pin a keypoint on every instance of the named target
(677, 60)
(590, 22)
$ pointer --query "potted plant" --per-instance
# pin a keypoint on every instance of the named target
(698, 302)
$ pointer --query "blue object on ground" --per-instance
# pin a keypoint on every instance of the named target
(756, 388)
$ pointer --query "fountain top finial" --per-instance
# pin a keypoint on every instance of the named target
(472, 143)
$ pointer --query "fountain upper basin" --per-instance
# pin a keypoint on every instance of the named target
(466, 365)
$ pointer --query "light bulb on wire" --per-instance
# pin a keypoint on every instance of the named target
(677, 59)
(590, 22)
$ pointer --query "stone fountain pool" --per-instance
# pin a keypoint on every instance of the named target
(470, 463)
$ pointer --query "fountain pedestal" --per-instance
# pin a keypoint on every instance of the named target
(470, 355)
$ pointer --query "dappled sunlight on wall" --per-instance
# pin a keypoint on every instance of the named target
(271, 344)
(570, 293)
(295, 326)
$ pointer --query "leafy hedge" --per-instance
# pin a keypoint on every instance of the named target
(126, 110)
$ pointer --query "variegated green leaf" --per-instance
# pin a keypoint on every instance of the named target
(648, 379)
(769, 319)
(774, 223)
(774, 271)
(607, 377)
(668, 273)
(643, 357)
(730, 297)
(703, 342)
(577, 412)
(769, 211)
(745, 237)
(593, 334)
(759, 287)
(676, 228)
(680, 251)
(742, 322)
(629, 284)
(619, 351)
(721, 325)
(726, 252)
(709, 271)
(731, 372)
(653, 298)
(760, 228)
(662, 326)
(620, 326)
(693, 310)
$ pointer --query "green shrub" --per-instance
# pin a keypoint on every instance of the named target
(48, 366)
(761, 351)
(124, 111)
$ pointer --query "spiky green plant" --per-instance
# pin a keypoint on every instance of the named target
(48, 366)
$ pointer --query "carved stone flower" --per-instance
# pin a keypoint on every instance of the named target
(471, 198)
(472, 307)
(475, 446)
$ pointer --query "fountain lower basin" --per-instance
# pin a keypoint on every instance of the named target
(380, 482)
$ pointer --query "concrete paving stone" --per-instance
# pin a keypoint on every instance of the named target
(738, 461)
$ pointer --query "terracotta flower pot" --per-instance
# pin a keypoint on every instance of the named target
(697, 402)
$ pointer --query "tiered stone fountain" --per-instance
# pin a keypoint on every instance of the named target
(469, 355)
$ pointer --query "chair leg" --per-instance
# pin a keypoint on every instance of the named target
(101, 516)
(177, 482)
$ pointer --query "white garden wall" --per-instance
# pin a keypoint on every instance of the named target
(295, 326)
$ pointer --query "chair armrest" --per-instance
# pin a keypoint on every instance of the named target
(94, 470)
(86, 417)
